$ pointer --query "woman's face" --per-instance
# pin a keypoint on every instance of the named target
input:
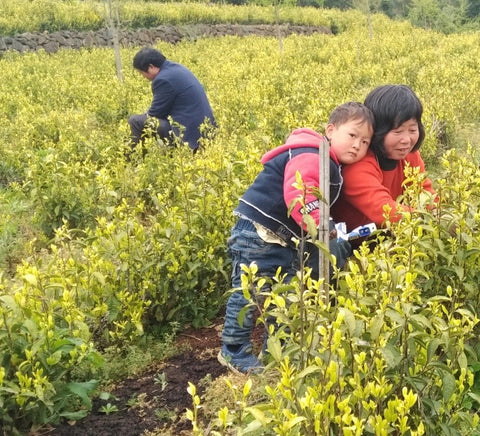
(400, 141)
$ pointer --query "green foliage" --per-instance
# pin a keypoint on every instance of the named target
(52, 15)
(126, 361)
(451, 236)
(49, 15)
(447, 16)
(55, 199)
(43, 338)
(97, 251)
(15, 228)
(109, 408)
(19, 16)
(385, 354)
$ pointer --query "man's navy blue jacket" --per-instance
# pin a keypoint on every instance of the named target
(178, 93)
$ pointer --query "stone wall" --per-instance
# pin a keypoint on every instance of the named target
(52, 42)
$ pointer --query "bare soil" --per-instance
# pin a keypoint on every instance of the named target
(146, 405)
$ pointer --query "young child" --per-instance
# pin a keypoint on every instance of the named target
(264, 231)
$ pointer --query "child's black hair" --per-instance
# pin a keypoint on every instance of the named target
(351, 110)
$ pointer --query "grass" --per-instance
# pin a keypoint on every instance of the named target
(127, 361)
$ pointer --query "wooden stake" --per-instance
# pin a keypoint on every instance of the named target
(324, 212)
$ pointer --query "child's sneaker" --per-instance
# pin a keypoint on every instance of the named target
(241, 361)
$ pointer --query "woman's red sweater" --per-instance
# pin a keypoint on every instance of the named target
(367, 189)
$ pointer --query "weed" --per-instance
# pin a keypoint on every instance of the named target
(161, 379)
(108, 408)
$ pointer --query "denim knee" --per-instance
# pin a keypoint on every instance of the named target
(245, 247)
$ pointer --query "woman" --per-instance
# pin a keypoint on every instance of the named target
(377, 179)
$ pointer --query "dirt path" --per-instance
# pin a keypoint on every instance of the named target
(146, 403)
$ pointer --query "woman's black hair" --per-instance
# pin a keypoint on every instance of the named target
(392, 105)
(148, 56)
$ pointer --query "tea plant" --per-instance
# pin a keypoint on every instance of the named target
(384, 354)
(43, 339)
(19, 16)
(99, 253)
(451, 236)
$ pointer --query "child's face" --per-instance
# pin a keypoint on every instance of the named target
(350, 140)
(400, 141)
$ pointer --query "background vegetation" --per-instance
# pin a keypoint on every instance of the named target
(448, 16)
(99, 254)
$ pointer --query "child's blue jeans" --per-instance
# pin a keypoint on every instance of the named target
(245, 247)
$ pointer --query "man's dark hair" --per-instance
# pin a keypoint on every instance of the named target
(148, 56)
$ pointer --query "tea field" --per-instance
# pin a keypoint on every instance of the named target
(99, 254)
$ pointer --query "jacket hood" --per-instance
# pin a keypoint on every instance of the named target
(303, 137)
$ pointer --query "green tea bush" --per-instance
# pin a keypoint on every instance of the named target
(19, 16)
(136, 246)
(15, 229)
(451, 237)
(56, 199)
(43, 339)
(394, 349)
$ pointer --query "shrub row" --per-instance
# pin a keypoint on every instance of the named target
(20, 16)
(100, 251)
